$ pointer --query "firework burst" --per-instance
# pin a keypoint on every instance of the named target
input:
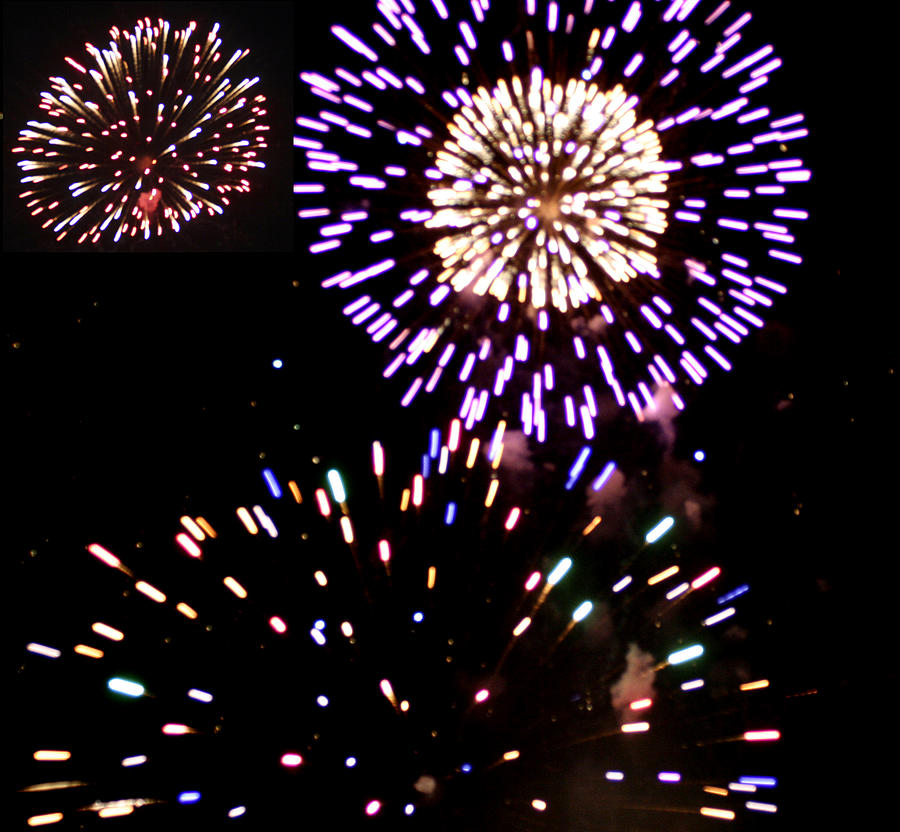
(151, 134)
(320, 650)
(553, 205)
(524, 190)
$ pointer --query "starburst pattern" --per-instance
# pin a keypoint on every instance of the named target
(322, 638)
(533, 197)
(553, 205)
(150, 137)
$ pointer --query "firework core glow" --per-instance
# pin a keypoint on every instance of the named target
(542, 180)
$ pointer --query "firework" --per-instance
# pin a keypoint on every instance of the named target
(320, 651)
(149, 134)
(552, 205)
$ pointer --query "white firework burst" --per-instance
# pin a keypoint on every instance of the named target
(548, 185)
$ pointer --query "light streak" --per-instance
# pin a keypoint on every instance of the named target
(47, 755)
(659, 529)
(336, 484)
(176, 729)
(559, 571)
(247, 520)
(291, 759)
(43, 650)
(706, 577)
(621, 584)
(765, 782)
(194, 528)
(200, 695)
(115, 810)
(661, 576)
(150, 591)
(235, 587)
(136, 760)
(758, 806)
(388, 691)
(125, 686)
(45, 819)
(635, 727)
(762, 736)
(271, 481)
(104, 555)
(106, 631)
(522, 626)
(686, 654)
(711, 812)
(582, 611)
(188, 545)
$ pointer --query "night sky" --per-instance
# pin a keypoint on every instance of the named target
(139, 390)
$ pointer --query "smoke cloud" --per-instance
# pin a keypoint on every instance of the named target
(635, 683)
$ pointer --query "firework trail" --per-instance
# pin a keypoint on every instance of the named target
(552, 205)
(320, 652)
(151, 133)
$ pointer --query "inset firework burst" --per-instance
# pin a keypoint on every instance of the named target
(152, 135)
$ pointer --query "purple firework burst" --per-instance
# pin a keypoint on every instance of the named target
(554, 205)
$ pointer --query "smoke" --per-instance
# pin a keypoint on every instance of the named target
(426, 785)
(604, 501)
(594, 325)
(635, 683)
(516, 457)
(679, 480)
(663, 413)
(680, 494)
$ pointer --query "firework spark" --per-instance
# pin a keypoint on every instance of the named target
(557, 204)
(151, 134)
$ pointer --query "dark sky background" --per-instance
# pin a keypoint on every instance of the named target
(136, 391)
